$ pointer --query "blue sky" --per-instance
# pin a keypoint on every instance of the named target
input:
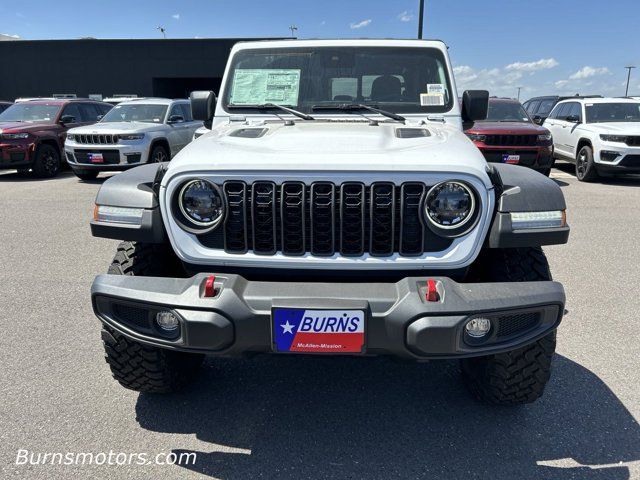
(544, 46)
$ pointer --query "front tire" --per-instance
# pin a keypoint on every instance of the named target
(47, 161)
(518, 376)
(159, 154)
(585, 167)
(134, 365)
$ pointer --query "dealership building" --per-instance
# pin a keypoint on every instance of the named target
(159, 68)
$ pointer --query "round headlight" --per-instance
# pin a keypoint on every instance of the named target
(449, 205)
(201, 203)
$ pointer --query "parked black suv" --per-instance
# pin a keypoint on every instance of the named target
(539, 108)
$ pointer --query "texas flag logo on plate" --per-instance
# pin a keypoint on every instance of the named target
(318, 331)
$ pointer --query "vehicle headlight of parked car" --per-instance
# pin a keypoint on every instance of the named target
(450, 208)
(546, 137)
(614, 138)
(14, 136)
(476, 137)
(200, 206)
(131, 136)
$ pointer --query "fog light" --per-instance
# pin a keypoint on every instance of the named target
(478, 327)
(167, 321)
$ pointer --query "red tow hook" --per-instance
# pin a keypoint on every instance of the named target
(432, 291)
(209, 286)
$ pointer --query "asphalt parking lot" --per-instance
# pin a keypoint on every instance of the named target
(277, 417)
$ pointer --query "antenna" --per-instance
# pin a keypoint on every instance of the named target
(163, 31)
(626, 92)
(293, 29)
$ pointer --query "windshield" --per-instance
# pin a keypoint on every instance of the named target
(612, 112)
(140, 112)
(506, 112)
(394, 79)
(28, 112)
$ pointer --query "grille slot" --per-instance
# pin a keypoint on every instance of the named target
(411, 228)
(382, 219)
(235, 227)
(352, 211)
(322, 219)
(293, 207)
(263, 202)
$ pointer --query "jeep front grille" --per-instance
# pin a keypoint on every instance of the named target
(323, 219)
(95, 139)
(511, 140)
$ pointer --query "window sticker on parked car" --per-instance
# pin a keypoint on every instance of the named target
(258, 86)
(435, 88)
(431, 99)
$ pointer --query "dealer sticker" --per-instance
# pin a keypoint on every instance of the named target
(318, 331)
(96, 158)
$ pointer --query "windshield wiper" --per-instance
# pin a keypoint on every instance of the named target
(359, 106)
(270, 106)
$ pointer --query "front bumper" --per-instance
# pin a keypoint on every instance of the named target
(16, 154)
(117, 157)
(613, 157)
(399, 319)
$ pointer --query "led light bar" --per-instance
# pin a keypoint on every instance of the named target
(126, 215)
(531, 220)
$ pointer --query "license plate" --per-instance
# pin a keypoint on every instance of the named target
(96, 158)
(318, 331)
(513, 159)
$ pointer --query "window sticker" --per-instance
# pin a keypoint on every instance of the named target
(431, 99)
(435, 88)
(258, 86)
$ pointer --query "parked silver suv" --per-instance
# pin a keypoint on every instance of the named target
(145, 130)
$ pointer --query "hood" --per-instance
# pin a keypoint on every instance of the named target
(116, 127)
(332, 146)
(507, 128)
(18, 127)
(623, 128)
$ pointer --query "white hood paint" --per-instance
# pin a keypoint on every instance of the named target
(321, 146)
(622, 128)
(116, 127)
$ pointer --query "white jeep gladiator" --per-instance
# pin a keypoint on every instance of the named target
(134, 132)
(335, 208)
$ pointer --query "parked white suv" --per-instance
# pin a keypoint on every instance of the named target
(600, 135)
(145, 130)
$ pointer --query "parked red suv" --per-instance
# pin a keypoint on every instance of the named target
(32, 133)
(508, 135)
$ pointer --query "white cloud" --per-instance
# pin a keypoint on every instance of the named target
(542, 64)
(176, 16)
(588, 72)
(6, 36)
(363, 23)
(405, 16)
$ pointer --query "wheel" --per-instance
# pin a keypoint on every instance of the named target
(47, 161)
(134, 365)
(158, 154)
(518, 376)
(86, 174)
(585, 168)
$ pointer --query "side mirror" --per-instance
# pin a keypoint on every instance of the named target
(175, 119)
(538, 120)
(475, 105)
(67, 119)
(203, 106)
(99, 117)
(573, 119)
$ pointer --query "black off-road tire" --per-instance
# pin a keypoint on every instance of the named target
(586, 170)
(47, 163)
(86, 175)
(134, 365)
(518, 376)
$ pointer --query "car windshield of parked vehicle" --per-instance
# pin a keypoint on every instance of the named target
(140, 112)
(506, 112)
(612, 112)
(315, 78)
(29, 112)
